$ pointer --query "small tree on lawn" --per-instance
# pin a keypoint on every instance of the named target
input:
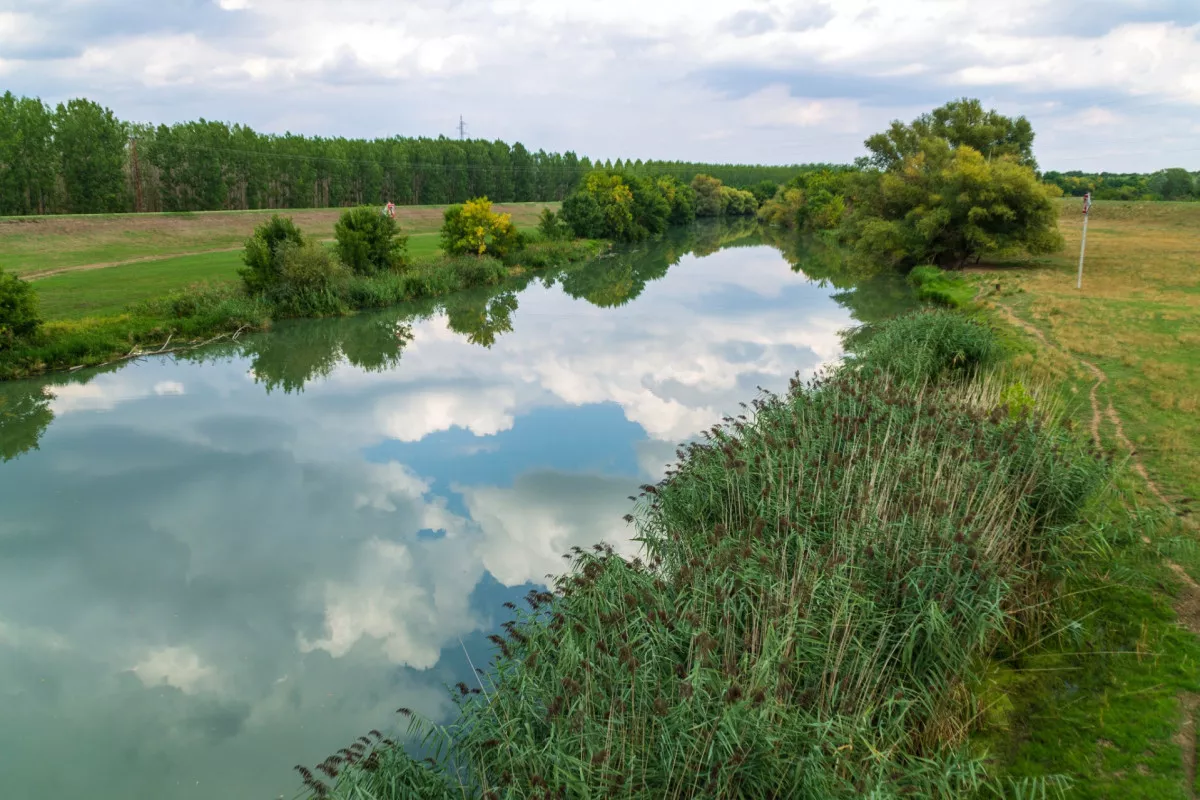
(262, 266)
(472, 228)
(369, 242)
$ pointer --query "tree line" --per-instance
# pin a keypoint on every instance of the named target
(1166, 184)
(78, 157)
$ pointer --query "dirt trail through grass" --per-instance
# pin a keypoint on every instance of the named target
(33, 276)
(1187, 602)
(1109, 412)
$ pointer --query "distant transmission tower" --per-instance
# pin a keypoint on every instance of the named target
(462, 128)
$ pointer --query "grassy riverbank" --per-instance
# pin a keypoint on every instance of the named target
(1112, 700)
(186, 316)
(823, 583)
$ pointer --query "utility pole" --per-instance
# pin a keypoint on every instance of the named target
(137, 174)
(462, 128)
(1087, 206)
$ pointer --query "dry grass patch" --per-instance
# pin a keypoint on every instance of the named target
(1137, 318)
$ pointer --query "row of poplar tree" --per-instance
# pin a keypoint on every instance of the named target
(80, 158)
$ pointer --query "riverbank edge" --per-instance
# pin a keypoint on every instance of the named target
(1110, 703)
(991, 700)
(200, 315)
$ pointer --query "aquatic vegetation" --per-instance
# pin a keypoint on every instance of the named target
(820, 577)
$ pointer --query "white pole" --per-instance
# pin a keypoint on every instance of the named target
(1087, 204)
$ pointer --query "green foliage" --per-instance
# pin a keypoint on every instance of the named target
(764, 190)
(19, 317)
(369, 242)
(29, 162)
(946, 206)
(1018, 400)
(714, 199)
(710, 201)
(624, 208)
(1168, 184)
(810, 201)
(551, 227)
(206, 165)
(962, 123)
(810, 585)
(943, 288)
(557, 253)
(680, 197)
(261, 270)
(311, 280)
(474, 229)
(738, 203)
(925, 346)
(91, 146)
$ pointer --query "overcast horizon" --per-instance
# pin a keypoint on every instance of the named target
(1109, 86)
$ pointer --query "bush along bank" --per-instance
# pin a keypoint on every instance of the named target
(285, 275)
(820, 583)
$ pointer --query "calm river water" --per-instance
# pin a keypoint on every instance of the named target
(213, 569)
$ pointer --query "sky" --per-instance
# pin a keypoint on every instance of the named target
(1108, 84)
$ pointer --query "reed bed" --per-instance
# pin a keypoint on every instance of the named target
(820, 578)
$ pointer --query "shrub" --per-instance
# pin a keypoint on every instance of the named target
(19, 317)
(924, 346)
(369, 242)
(738, 202)
(472, 228)
(551, 227)
(311, 280)
(710, 201)
(624, 208)
(539, 255)
(261, 270)
(483, 270)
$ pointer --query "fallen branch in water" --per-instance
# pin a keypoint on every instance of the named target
(137, 352)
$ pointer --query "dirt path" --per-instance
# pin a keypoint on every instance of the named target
(46, 273)
(1109, 413)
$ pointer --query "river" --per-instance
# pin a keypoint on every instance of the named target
(216, 567)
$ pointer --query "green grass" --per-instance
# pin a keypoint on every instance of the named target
(31, 245)
(1103, 701)
(109, 291)
(1137, 318)
(943, 288)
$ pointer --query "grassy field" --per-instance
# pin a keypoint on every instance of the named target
(35, 245)
(107, 291)
(1137, 319)
(1111, 700)
(97, 265)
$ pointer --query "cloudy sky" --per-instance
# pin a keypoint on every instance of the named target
(1108, 83)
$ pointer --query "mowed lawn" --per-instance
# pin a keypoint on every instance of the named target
(108, 291)
(33, 245)
(1137, 318)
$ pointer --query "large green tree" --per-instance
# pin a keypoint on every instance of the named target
(948, 205)
(962, 122)
(91, 144)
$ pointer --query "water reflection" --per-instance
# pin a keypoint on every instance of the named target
(217, 567)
